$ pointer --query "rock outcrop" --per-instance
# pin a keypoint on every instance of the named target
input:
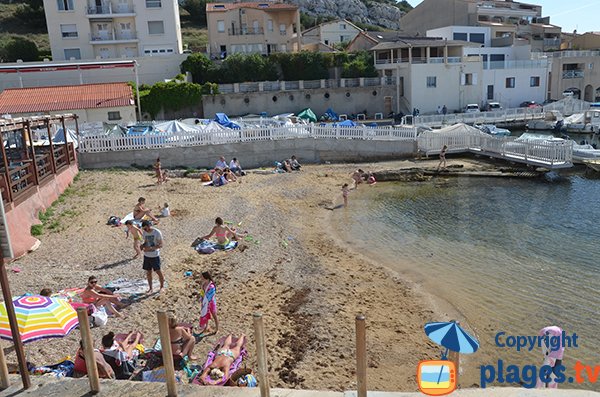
(380, 14)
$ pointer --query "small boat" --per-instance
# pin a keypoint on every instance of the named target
(582, 123)
(493, 130)
(585, 152)
(553, 119)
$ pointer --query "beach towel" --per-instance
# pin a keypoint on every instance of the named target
(208, 247)
(210, 357)
(209, 304)
(129, 217)
(160, 375)
(131, 289)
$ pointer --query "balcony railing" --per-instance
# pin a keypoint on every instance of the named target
(573, 54)
(109, 9)
(112, 36)
(572, 74)
(245, 31)
(551, 42)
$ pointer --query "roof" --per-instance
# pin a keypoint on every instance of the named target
(331, 22)
(49, 99)
(423, 42)
(261, 5)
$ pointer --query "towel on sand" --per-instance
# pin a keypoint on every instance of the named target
(131, 288)
(208, 247)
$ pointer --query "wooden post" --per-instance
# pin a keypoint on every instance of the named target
(261, 354)
(167, 352)
(6, 170)
(88, 350)
(62, 121)
(454, 357)
(14, 325)
(361, 357)
(36, 175)
(52, 161)
(4, 383)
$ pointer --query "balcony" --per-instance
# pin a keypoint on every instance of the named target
(552, 43)
(109, 10)
(106, 37)
(245, 31)
(572, 74)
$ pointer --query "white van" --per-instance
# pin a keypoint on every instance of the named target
(491, 106)
(472, 108)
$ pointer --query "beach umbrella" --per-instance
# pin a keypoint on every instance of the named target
(39, 317)
(451, 336)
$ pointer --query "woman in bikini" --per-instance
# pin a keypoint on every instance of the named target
(182, 341)
(98, 296)
(139, 211)
(223, 233)
(225, 355)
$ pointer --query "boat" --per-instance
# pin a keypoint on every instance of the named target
(493, 130)
(553, 119)
(585, 152)
(583, 123)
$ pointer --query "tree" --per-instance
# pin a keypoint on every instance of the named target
(359, 64)
(18, 47)
(199, 66)
(31, 13)
(196, 9)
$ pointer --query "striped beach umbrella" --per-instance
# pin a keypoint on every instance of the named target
(451, 336)
(39, 317)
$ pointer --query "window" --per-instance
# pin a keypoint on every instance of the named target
(114, 115)
(65, 5)
(156, 27)
(468, 79)
(431, 81)
(74, 53)
(342, 39)
(477, 38)
(153, 4)
(270, 25)
(342, 26)
(510, 82)
(282, 29)
(534, 81)
(220, 26)
(68, 31)
(460, 36)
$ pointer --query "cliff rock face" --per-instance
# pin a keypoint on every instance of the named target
(375, 14)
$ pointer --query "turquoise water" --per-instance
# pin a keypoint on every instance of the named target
(512, 255)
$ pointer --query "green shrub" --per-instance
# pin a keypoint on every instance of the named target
(37, 230)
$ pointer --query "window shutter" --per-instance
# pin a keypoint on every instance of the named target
(463, 79)
(474, 78)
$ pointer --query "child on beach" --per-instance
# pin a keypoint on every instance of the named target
(208, 306)
(158, 171)
(345, 192)
(442, 157)
(165, 211)
(137, 235)
(358, 177)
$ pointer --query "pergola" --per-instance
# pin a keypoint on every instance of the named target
(26, 164)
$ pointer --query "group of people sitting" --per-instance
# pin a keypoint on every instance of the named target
(288, 165)
(222, 174)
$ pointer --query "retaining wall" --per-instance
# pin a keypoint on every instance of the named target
(256, 154)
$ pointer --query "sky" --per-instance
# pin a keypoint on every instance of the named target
(568, 14)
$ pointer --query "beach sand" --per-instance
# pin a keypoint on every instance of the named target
(308, 284)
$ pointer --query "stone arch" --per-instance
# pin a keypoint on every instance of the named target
(588, 93)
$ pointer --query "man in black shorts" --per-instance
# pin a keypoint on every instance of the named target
(153, 242)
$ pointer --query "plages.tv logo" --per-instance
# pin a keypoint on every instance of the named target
(438, 377)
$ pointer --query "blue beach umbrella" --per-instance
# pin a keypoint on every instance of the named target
(452, 337)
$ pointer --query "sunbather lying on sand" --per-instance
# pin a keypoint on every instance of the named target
(229, 351)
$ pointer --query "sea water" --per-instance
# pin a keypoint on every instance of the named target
(511, 255)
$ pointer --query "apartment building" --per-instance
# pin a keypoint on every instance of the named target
(509, 21)
(575, 73)
(263, 27)
(330, 33)
(510, 74)
(102, 29)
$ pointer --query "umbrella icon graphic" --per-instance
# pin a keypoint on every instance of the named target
(451, 336)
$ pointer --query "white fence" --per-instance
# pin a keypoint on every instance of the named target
(89, 144)
(551, 154)
(493, 117)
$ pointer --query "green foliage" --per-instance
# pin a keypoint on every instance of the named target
(303, 65)
(37, 230)
(31, 13)
(199, 66)
(404, 6)
(196, 9)
(251, 67)
(359, 64)
(368, 27)
(308, 21)
(17, 47)
(174, 96)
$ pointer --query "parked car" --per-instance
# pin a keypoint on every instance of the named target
(530, 104)
(472, 108)
(491, 106)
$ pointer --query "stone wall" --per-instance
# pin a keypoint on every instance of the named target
(256, 154)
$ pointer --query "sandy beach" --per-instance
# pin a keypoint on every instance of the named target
(308, 284)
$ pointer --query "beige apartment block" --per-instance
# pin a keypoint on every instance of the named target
(575, 73)
(102, 29)
(510, 21)
(262, 27)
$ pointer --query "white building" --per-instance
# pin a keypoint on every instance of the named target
(89, 29)
(509, 74)
(332, 32)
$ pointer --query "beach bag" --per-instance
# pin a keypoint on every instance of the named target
(114, 221)
(205, 177)
(99, 318)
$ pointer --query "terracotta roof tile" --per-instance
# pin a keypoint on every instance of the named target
(50, 99)
(216, 7)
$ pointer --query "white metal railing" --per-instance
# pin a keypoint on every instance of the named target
(505, 115)
(548, 153)
(89, 143)
(572, 74)
(573, 54)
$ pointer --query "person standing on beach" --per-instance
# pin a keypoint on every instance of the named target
(153, 242)
(345, 192)
(358, 177)
(138, 239)
(209, 305)
(158, 171)
(442, 157)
